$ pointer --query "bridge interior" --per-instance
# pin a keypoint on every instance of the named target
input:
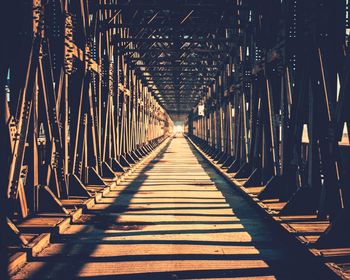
(184, 139)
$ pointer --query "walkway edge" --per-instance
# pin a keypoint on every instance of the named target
(19, 259)
(333, 272)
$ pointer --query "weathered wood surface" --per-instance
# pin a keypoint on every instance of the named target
(174, 218)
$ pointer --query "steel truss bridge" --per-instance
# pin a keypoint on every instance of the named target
(93, 91)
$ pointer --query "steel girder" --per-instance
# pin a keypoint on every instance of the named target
(74, 111)
(278, 120)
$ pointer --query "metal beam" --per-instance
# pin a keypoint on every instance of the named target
(117, 40)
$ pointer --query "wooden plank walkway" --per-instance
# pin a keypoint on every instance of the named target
(174, 218)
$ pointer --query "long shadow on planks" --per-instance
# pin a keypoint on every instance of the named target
(252, 250)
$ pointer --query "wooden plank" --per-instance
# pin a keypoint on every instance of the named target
(143, 230)
(305, 228)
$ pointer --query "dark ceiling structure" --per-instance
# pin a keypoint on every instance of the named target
(177, 47)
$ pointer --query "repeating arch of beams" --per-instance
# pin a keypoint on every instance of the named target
(89, 88)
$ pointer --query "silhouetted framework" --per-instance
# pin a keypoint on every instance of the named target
(74, 112)
(276, 113)
(89, 88)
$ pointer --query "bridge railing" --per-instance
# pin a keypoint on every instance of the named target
(74, 110)
(276, 114)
